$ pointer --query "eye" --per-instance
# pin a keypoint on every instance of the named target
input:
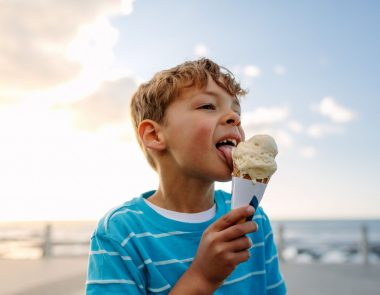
(207, 106)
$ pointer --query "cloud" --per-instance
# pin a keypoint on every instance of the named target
(334, 111)
(263, 120)
(93, 43)
(279, 70)
(252, 71)
(265, 116)
(308, 152)
(34, 36)
(108, 105)
(201, 50)
(295, 126)
(320, 130)
(283, 138)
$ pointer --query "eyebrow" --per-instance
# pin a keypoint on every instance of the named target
(235, 99)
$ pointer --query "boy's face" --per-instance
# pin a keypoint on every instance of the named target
(196, 124)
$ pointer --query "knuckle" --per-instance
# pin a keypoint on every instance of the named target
(239, 230)
(230, 261)
(226, 219)
(218, 250)
(211, 239)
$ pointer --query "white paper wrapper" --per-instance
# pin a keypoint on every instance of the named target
(244, 192)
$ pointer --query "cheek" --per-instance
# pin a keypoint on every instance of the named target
(203, 134)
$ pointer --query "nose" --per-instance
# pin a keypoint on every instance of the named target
(232, 118)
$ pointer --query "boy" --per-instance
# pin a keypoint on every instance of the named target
(183, 238)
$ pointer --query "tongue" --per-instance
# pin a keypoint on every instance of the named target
(227, 152)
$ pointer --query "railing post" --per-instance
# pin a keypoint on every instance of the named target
(280, 241)
(47, 242)
(364, 245)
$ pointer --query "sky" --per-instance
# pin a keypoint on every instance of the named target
(68, 69)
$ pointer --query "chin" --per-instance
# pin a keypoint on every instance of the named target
(225, 178)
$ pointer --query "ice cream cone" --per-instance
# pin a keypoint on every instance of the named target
(245, 191)
(253, 165)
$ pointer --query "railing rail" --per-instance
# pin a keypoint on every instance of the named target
(47, 243)
(363, 245)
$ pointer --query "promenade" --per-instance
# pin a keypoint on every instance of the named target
(66, 276)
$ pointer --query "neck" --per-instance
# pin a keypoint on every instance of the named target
(183, 194)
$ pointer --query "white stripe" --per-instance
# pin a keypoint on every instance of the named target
(255, 273)
(112, 214)
(159, 289)
(129, 282)
(275, 285)
(144, 263)
(148, 234)
(125, 241)
(164, 262)
(268, 235)
(261, 244)
(110, 253)
(228, 202)
(271, 259)
(170, 261)
(258, 216)
(127, 210)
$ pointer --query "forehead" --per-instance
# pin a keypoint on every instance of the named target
(211, 89)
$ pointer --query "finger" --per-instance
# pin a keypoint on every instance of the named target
(232, 217)
(241, 256)
(239, 244)
(238, 230)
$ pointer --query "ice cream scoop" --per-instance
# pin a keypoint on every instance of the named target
(253, 165)
(255, 157)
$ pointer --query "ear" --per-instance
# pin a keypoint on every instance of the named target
(150, 135)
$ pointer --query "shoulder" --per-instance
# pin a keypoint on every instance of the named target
(121, 219)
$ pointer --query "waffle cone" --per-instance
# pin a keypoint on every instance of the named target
(236, 173)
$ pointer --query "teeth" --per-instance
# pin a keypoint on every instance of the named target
(229, 140)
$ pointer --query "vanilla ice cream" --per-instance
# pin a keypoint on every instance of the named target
(255, 157)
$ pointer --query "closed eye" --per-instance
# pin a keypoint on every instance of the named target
(207, 106)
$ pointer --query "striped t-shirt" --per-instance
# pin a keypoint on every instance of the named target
(135, 250)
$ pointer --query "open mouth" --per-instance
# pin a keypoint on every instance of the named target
(226, 146)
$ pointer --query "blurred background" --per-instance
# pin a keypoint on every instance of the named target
(67, 148)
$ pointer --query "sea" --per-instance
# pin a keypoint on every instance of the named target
(300, 241)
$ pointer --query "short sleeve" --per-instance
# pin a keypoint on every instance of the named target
(275, 284)
(111, 270)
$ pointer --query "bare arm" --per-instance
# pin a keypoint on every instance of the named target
(223, 246)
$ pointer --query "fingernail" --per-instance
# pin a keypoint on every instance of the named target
(250, 209)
